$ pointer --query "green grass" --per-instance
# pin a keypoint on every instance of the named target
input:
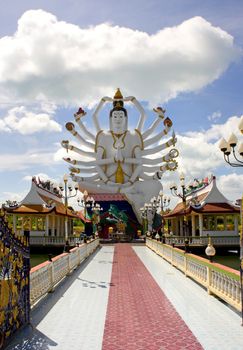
(232, 260)
(36, 259)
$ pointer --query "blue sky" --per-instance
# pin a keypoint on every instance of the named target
(183, 55)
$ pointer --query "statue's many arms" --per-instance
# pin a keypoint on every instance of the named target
(119, 160)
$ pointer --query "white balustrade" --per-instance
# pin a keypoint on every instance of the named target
(218, 280)
(44, 277)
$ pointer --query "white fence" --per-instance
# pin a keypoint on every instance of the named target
(218, 279)
(44, 277)
(52, 240)
(203, 240)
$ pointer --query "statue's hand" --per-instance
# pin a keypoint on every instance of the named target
(107, 99)
(129, 98)
(118, 156)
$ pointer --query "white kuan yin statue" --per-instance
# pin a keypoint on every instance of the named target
(119, 160)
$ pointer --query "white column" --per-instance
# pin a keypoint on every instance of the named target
(58, 225)
(66, 227)
(193, 225)
(53, 225)
(62, 226)
(173, 226)
(200, 224)
(47, 225)
(177, 227)
(181, 225)
(236, 223)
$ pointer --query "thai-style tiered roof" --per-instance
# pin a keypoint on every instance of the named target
(204, 198)
(41, 199)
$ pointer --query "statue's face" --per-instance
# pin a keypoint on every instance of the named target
(118, 120)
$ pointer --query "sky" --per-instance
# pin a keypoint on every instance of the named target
(183, 55)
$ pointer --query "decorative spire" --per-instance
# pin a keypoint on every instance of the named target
(118, 94)
(118, 99)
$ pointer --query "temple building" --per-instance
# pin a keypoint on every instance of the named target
(41, 212)
(205, 212)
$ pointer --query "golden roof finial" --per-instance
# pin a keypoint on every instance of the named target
(118, 94)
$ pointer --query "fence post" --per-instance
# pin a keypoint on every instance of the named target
(209, 279)
(79, 256)
(185, 264)
(69, 264)
(51, 274)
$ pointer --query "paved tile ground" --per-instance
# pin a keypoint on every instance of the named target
(139, 315)
(74, 316)
(215, 325)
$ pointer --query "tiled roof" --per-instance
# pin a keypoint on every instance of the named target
(81, 216)
(179, 208)
(39, 209)
(207, 208)
(218, 208)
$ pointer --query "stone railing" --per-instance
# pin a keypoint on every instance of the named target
(44, 277)
(218, 279)
(203, 240)
(52, 240)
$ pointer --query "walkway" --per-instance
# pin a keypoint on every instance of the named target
(128, 298)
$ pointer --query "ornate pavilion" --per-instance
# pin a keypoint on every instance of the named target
(41, 212)
(205, 212)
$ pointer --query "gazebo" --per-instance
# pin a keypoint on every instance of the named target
(41, 213)
(206, 211)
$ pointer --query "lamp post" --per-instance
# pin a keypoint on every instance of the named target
(210, 250)
(86, 202)
(96, 216)
(163, 200)
(66, 191)
(229, 149)
(147, 213)
(160, 203)
(182, 195)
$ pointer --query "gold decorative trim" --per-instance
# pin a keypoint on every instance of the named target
(96, 140)
(141, 138)
(116, 135)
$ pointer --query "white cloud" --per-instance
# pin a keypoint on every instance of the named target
(53, 60)
(217, 131)
(200, 156)
(19, 119)
(12, 196)
(215, 116)
(231, 186)
(15, 162)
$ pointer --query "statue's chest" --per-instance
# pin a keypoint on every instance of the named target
(123, 143)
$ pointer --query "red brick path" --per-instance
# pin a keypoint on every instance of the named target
(139, 316)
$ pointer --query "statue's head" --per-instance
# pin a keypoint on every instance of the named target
(118, 120)
(118, 114)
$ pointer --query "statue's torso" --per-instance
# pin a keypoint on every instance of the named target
(127, 143)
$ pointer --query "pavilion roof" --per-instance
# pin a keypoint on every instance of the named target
(207, 200)
(41, 201)
(82, 217)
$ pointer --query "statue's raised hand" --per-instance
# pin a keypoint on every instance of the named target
(129, 98)
(107, 99)
(118, 155)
